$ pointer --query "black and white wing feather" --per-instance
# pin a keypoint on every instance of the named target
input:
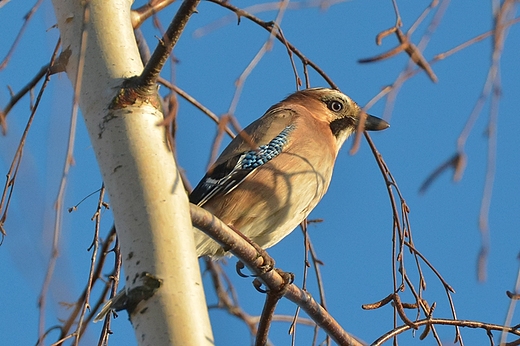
(226, 176)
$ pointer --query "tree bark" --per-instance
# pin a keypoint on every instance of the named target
(150, 206)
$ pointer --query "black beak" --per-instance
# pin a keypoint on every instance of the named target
(373, 123)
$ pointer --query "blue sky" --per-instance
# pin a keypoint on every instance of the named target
(354, 241)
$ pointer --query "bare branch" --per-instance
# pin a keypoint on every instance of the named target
(139, 15)
(404, 45)
(149, 76)
(95, 246)
(27, 19)
(15, 164)
(268, 26)
(439, 321)
(196, 103)
(69, 161)
(244, 251)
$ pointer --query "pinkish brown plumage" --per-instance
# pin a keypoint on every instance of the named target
(271, 176)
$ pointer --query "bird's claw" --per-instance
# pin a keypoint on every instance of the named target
(287, 277)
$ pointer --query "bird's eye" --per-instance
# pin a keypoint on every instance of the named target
(335, 106)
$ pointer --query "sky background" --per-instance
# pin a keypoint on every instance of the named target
(355, 239)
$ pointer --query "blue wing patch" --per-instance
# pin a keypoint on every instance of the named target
(225, 177)
(255, 158)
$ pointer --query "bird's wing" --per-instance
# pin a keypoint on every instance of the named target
(256, 145)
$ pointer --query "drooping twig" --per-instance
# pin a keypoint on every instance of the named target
(196, 103)
(321, 289)
(501, 30)
(227, 297)
(27, 19)
(306, 265)
(458, 160)
(402, 238)
(15, 164)
(16, 97)
(514, 297)
(391, 91)
(97, 275)
(103, 338)
(490, 89)
(268, 26)
(439, 321)
(94, 246)
(69, 160)
(316, 263)
(56, 67)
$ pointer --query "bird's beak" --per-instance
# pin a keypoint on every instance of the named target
(373, 123)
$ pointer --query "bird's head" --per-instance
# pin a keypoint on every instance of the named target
(336, 109)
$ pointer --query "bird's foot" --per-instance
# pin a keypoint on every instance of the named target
(287, 277)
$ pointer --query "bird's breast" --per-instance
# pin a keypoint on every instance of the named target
(276, 197)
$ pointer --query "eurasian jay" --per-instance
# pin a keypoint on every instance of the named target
(274, 172)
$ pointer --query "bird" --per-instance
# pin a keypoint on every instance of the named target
(275, 171)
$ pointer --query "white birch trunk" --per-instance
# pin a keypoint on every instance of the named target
(149, 203)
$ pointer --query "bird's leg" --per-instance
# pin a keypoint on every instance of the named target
(287, 277)
(268, 261)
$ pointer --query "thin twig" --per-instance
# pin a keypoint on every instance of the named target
(511, 308)
(100, 264)
(321, 289)
(263, 7)
(103, 338)
(227, 298)
(196, 103)
(69, 160)
(90, 281)
(440, 321)
(500, 33)
(239, 83)
(27, 19)
(13, 170)
(267, 26)
(401, 233)
(16, 97)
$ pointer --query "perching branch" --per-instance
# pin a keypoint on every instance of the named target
(246, 253)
